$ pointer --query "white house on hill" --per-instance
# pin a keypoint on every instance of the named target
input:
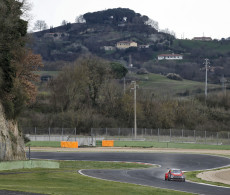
(126, 44)
(170, 57)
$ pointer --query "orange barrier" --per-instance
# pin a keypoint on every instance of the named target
(65, 144)
(107, 143)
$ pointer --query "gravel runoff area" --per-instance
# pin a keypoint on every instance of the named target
(221, 176)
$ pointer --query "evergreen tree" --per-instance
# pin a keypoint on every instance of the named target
(13, 56)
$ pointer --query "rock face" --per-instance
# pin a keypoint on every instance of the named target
(12, 145)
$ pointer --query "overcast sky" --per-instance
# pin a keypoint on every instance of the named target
(187, 18)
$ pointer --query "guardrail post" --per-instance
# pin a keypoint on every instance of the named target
(195, 136)
(228, 136)
(29, 151)
(158, 135)
(49, 133)
(91, 136)
(205, 137)
(62, 133)
(35, 133)
(75, 131)
(170, 135)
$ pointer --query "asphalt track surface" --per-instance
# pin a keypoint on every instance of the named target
(153, 176)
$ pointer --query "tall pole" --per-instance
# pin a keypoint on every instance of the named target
(206, 78)
(223, 80)
(124, 85)
(135, 109)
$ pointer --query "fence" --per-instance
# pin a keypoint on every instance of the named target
(58, 134)
(156, 135)
(163, 135)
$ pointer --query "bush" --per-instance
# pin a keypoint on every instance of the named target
(174, 76)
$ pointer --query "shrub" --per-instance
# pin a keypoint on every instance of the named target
(174, 76)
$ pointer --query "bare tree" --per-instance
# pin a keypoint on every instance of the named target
(166, 30)
(80, 19)
(40, 25)
(152, 23)
(64, 22)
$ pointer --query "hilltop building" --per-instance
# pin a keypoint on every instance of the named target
(109, 48)
(170, 57)
(56, 36)
(143, 46)
(125, 44)
(202, 39)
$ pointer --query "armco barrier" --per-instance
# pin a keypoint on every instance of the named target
(107, 143)
(65, 144)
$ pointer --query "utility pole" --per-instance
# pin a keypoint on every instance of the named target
(124, 85)
(206, 77)
(135, 109)
(223, 81)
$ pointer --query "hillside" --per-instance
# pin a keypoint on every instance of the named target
(99, 32)
(163, 86)
(68, 42)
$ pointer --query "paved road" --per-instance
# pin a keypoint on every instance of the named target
(153, 176)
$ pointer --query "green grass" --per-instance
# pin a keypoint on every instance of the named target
(208, 45)
(149, 144)
(55, 144)
(162, 85)
(100, 165)
(142, 144)
(51, 73)
(66, 180)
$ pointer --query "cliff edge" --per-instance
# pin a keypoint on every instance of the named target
(12, 145)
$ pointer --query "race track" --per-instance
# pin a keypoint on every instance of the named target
(150, 177)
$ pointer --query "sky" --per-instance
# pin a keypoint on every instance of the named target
(187, 18)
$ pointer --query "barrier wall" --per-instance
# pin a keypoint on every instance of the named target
(107, 143)
(65, 144)
(82, 141)
(29, 164)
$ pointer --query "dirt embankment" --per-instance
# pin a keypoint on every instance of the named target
(221, 176)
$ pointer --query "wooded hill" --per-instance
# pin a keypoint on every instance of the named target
(106, 28)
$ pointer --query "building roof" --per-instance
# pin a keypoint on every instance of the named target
(128, 42)
(172, 55)
(202, 38)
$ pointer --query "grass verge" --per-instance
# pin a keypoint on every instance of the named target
(142, 144)
(67, 180)
(150, 144)
(54, 144)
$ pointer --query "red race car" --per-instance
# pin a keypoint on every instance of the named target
(175, 175)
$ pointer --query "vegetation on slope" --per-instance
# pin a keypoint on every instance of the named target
(86, 95)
